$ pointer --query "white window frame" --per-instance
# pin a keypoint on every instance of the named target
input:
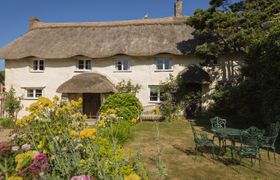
(157, 87)
(38, 65)
(33, 93)
(122, 65)
(164, 59)
(84, 65)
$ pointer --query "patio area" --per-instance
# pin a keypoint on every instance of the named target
(179, 156)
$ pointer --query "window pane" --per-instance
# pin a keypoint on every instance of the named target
(167, 64)
(38, 92)
(119, 65)
(125, 65)
(35, 65)
(88, 64)
(153, 94)
(29, 92)
(41, 67)
(161, 96)
(81, 64)
(160, 64)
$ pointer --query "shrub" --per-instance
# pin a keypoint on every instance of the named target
(118, 132)
(128, 87)
(7, 122)
(11, 103)
(127, 106)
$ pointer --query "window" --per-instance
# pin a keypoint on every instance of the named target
(84, 65)
(34, 93)
(163, 64)
(155, 94)
(122, 65)
(38, 65)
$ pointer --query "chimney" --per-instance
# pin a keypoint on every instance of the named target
(32, 22)
(178, 8)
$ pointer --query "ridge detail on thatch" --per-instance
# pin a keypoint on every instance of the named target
(163, 21)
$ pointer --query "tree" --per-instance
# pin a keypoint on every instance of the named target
(11, 103)
(227, 26)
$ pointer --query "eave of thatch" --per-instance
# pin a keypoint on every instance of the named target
(103, 39)
(87, 83)
(194, 74)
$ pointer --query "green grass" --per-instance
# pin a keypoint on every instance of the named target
(179, 155)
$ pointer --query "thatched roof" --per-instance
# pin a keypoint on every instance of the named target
(194, 74)
(87, 83)
(144, 37)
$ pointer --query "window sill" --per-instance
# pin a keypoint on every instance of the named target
(81, 71)
(127, 71)
(168, 70)
(154, 102)
(29, 98)
(32, 71)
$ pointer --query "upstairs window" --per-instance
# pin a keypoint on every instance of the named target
(84, 65)
(122, 65)
(38, 65)
(156, 95)
(163, 64)
(34, 93)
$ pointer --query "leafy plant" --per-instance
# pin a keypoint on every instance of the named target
(127, 106)
(7, 122)
(128, 87)
(11, 103)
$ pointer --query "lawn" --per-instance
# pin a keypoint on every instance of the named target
(179, 156)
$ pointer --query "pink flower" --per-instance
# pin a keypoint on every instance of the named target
(82, 177)
(26, 147)
(15, 148)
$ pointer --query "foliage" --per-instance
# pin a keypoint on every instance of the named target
(177, 97)
(2, 77)
(127, 106)
(229, 26)
(128, 87)
(67, 147)
(11, 103)
(7, 122)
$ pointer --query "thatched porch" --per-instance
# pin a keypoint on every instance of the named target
(91, 87)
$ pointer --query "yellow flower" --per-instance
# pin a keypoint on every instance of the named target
(88, 133)
(21, 157)
(41, 145)
(82, 162)
(101, 123)
(133, 121)
(132, 176)
(45, 151)
(15, 178)
(73, 133)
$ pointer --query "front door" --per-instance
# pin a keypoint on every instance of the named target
(91, 104)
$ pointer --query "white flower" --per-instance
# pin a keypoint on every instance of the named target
(15, 148)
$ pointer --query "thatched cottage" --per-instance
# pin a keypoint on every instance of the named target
(88, 59)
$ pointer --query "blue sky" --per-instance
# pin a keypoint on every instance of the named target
(15, 14)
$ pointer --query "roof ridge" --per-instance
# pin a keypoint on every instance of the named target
(37, 24)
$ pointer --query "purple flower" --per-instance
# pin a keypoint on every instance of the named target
(40, 164)
(26, 147)
(82, 177)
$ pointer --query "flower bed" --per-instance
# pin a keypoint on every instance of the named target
(54, 142)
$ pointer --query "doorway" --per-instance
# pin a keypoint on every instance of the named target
(91, 104)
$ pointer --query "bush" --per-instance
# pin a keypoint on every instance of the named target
(118, 132)
(7, 122)
(127, 106)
